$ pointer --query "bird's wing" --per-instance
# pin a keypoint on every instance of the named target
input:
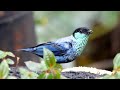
(57, 48)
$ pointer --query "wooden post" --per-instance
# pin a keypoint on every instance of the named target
(17, 31)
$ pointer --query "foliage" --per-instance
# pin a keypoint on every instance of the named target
(116, 69)
(26, 74)
(47, 69)
(4, 65)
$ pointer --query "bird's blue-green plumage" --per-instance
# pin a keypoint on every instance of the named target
(65, 49)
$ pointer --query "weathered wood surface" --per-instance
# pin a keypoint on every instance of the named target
(17, 31)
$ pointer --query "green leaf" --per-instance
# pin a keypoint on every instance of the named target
(33, 66)
(117, 75)
(57, 75)
(11, 77)
(42, 75)
(58, 67)
(49, 58)
(33, 75)
(23, 73)
(4, 69)
(50, 76)
(26, 74)
(10, 61)
(2, 54)
(116, 61)
(45, 75)
(43, 66)
(10, 54)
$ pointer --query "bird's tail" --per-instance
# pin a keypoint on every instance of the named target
(26, 50)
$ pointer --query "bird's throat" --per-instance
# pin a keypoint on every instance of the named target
(79, 45)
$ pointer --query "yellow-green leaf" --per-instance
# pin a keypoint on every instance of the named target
(4, 69)
(50, 76)
(26, 74)
(42, 75)
(49, 58)
(10, 54)
(57, 75)
(116, 61)
(117, 75)
(34, 66)
(10, 61)
(2, 54)
(58, 67)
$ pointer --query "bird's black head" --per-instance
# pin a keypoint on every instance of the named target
(83, 30)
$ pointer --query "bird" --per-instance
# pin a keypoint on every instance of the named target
(65, 49)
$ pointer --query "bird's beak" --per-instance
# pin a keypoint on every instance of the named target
(90, 31)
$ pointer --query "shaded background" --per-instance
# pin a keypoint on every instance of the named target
(21, 29)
